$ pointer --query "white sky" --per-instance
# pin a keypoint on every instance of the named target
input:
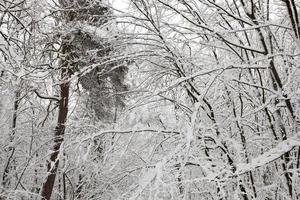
(120, 4)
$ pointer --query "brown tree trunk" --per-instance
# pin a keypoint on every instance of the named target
(47, 187)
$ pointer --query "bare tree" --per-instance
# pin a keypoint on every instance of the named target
(229, 59)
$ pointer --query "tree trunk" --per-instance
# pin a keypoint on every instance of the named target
(9, 165)
(293, 14)
(47, 187)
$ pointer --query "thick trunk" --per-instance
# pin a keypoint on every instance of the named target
(47, 187)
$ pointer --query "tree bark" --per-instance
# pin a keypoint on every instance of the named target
(293, 14)
(8, 166)
(47, 187)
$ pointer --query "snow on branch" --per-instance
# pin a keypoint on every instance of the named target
(270, 156)
(217, 68)
(98, 134)
(46, 97)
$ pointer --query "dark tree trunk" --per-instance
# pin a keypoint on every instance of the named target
(8, 166)
(293, 14)
(47, 187)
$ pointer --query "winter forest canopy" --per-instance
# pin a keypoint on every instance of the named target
(149, 99)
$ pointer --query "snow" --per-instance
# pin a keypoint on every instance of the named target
(269, 156)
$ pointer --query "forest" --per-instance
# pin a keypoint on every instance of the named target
(149, 99)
